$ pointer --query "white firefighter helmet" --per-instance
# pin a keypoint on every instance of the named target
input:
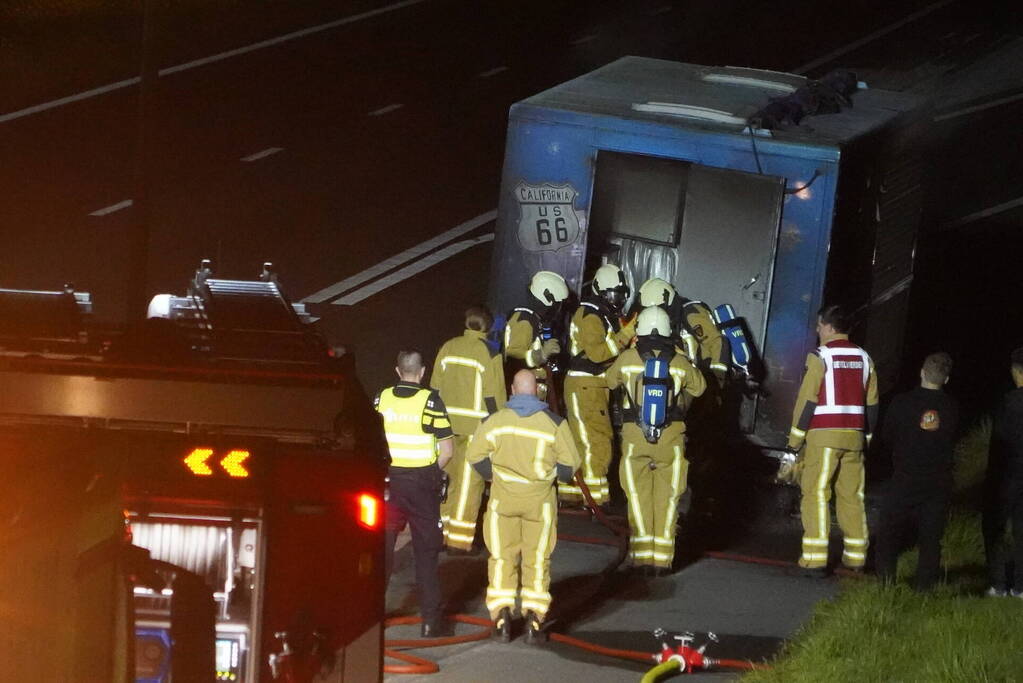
(653, 320)
(610, 285)
(549, 288)
(656, 292)
(608, 276)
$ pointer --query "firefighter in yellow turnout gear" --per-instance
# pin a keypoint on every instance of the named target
(524, 343)
(470, 379)
(835, 411)
(521, 450)
(694, 325)
(596, 338)
(659, 385)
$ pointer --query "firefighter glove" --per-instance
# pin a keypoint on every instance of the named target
(551, 347)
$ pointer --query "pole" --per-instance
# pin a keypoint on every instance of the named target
(138, 239)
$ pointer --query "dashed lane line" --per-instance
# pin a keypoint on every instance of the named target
(978, 107)
(582, 40)
(263, 154)
(203, 61)
(106, 210)
(492, 72)
(881, 32)
(386, 110)
(397, 260)
(411, 269)
(984, 213)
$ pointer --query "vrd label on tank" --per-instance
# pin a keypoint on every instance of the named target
(547, 217)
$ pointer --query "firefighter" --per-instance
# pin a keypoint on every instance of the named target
(835, 412)
(693, 324)
(528, 336)
(521, 449)
(419, 440)
(596, 337)
(659, 383)
(470, 378)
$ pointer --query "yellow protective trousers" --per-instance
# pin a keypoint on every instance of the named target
(460, 511)
(654, 478)
(586, 400)
(520, 533)
(823, 466)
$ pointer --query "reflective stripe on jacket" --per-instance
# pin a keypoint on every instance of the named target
(843, 390)
(410, 445)
(470, 380)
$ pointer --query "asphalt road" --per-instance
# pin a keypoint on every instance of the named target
(364, 139)
(333, 151)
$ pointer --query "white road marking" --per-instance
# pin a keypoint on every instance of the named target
(53, 104)
(127, 83)
(411, 269)
(984, 213)
(492, 72)
(269, 151)
(398, 259)
(386, 110)
(979, 107)
(585, 39)
(287, 37)
(113, 207)
(873, 36)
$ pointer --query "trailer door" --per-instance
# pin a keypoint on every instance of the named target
(728, 241)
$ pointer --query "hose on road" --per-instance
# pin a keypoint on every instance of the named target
(418, 665)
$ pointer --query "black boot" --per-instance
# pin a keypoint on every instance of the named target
(535, 635)
(502, 625)
(438, 628)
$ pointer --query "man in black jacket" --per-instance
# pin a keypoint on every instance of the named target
(1004, 488)
(920, 429)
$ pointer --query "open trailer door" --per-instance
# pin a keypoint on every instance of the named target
(728, 242)
(711, 232)
(727, 249)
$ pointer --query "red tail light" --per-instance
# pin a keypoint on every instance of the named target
(369, 511)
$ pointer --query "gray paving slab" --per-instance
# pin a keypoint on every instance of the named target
(752, 608)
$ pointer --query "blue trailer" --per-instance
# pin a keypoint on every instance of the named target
(661, 168)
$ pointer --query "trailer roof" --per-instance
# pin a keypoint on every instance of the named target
(719, 99)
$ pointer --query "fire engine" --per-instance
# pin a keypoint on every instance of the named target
(197, 499)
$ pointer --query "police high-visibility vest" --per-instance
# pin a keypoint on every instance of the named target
(840, 401)
(409, 444)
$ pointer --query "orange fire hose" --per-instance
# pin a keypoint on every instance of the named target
(751, 559)
(419, 665)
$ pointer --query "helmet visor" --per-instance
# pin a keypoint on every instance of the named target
(616, 298)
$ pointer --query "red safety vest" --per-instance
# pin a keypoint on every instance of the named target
(843, 392)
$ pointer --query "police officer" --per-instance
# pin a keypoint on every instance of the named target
(835, 412)
(659, 385)
(694, 325)
(521, 449)
(419, 440)
(469, 376)
(527, 336)
(596, 337)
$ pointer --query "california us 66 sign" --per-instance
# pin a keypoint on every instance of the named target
(547, 218)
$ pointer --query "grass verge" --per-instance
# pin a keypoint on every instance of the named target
(873, 633)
